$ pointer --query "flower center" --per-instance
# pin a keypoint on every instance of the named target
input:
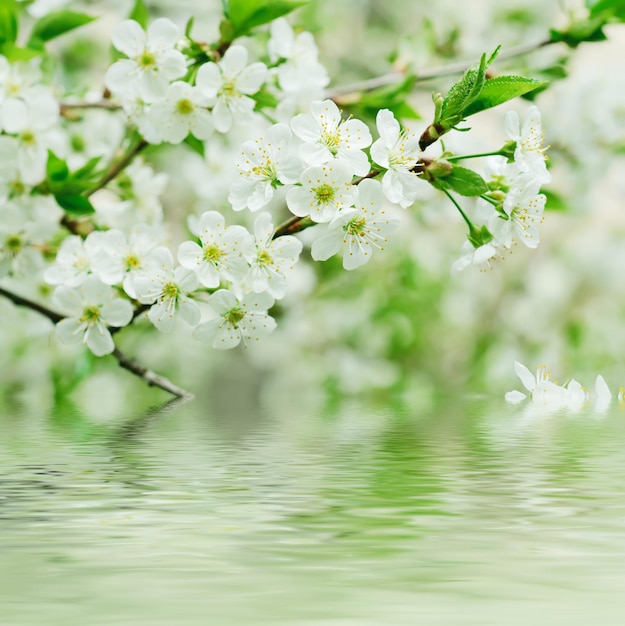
(17, 188)
(213, 253)
(185, 106)
(132, 262)
(91, 315)
(146, 59)
(28, 138)
(264, 258)
(234, 316)
(13, 244)
(356, 227)
(324, 193)
(229, 90)
(332, 141)
(171, 291)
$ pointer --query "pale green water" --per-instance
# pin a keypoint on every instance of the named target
(358, 515)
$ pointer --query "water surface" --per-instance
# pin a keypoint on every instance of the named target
(352, 514)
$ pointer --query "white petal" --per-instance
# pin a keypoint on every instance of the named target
(514, 397)
(526, 377)
(117, 312)
(129, 38)
(162, 33)
(99, 340)
(69, 330)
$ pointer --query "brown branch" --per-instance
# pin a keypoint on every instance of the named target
(148, 376)
(43, 310)
(118, 166)
(423, 75)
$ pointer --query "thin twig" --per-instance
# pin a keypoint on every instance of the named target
(423, 75)
(148, 376)
(118, 166)
(85, 104)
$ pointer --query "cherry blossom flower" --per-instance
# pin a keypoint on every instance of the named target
(223, 254)
(327, 137)
(34, 126)
(74, 260)
(264, 164)
(229, 84)
(183, 110)
(358, 231)
(547, 394)
(89, 309)
(529, 153)
(121, 258)
(482, 256)
(235, 320)
(167, 289)
(398, 152)
(152, 60)
(274, 260)
(325, 190)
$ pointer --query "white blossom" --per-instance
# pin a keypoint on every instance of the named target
(183, 110)
(398, 152)
(327, 137)
(236, 320)
(223, 252)
(325, 190)
(357, 231)
(167, 289)
(74, 260)
(529, 153)
(229, 83)
(122, 258)
(545, 393)
(152, 60)
(262, 165)
(89, 309)
(482, 256)
(274, 260)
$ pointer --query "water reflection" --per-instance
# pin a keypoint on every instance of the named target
(355, 514)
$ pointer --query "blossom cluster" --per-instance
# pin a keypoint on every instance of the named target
(323, 169)
(513, 207)
(546, 394)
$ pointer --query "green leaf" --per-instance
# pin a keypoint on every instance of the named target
(466, 182)
(15, 53)
(608, 8)
(498, 90)
(555, 202)
(74, 204)
(464, 93)
(195, 144)
(140, 14)
(56, 169)
(265, 99)
(58, 23)
(247, 14)
(87, 168)
(586, 30)
(8, 22)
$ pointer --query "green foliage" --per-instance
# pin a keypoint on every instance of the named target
(195, 144)
(243, 15)
(68, 187)
(8, 22)
(464, 93)
(466, 182)
(56, 24)
(140, 14)
(265, 99)
(496, 91)
(600, 13)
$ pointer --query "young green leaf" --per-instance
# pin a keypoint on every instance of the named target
(58, 23)
(498, 90)
(8, 22)
(56, 169)
(466, 182)
(74, 204)
(247, 14)
(140, 14)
